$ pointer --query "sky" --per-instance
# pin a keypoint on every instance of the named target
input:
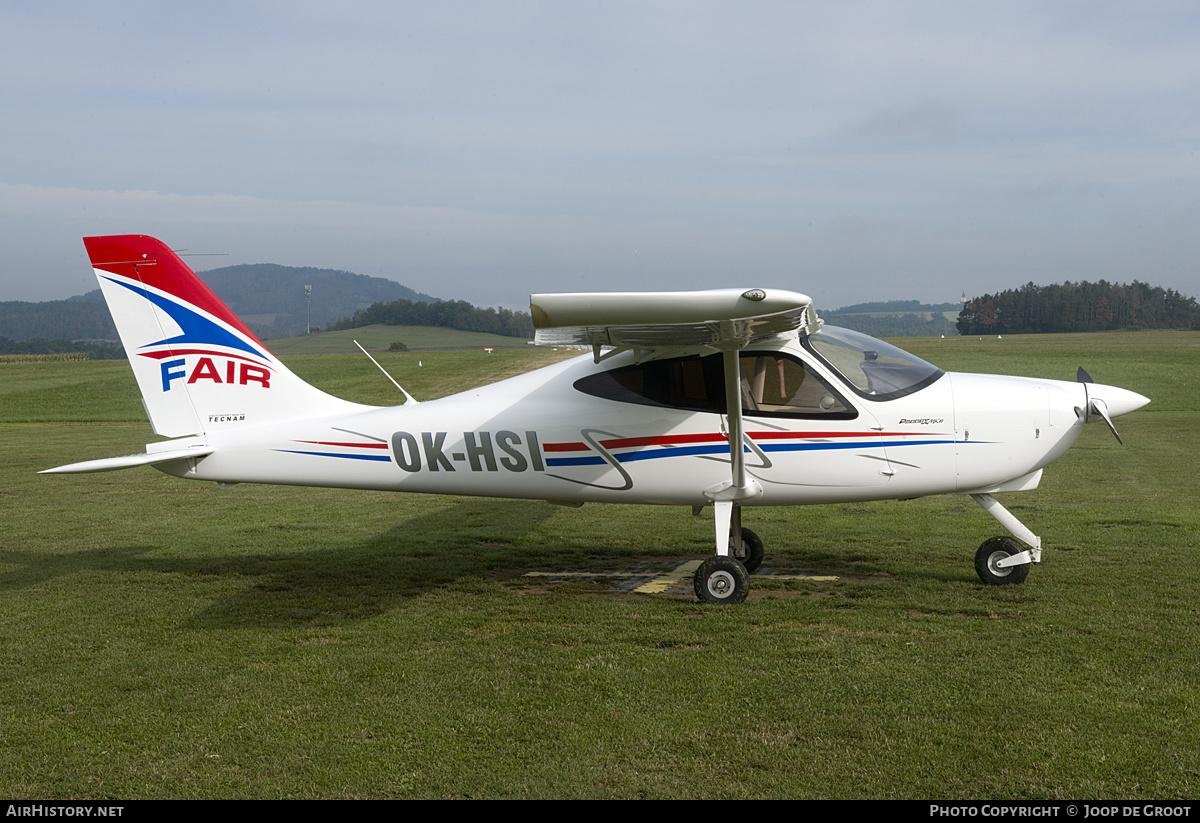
(852, 151)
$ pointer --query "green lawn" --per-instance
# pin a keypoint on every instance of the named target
(165, 639)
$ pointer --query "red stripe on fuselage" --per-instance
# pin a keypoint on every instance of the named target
(679, 439)
(345, 445)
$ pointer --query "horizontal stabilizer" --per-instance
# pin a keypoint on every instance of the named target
(662, 319)
(109, 464)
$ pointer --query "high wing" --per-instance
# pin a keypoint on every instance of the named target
(721, 319)
(649, 320)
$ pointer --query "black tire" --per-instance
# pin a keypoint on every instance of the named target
(722, 580)
(994, 550)
(750, 553)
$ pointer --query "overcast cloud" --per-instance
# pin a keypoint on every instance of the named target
(483, 150)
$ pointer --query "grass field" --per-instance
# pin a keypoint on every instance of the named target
(165, 639)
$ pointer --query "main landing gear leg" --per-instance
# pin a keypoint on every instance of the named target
(724, 578)
(744, 545)
(1001, 561)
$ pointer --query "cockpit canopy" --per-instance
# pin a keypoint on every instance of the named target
(872, 368)
(775, 383)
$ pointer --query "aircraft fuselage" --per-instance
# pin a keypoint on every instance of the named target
(539, 436)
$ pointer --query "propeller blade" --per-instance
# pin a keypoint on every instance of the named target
(1099, 407)
(1083, 377)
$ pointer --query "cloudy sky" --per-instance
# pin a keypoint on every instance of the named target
(485, 150)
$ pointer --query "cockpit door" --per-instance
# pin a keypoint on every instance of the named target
(803, 430)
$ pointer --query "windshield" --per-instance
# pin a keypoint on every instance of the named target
(874, 369)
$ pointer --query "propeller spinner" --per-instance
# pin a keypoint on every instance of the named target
(1106, 402)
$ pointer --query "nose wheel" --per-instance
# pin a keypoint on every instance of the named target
(989, 562)
(997, 562)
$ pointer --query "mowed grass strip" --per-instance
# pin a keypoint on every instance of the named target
(160, 638)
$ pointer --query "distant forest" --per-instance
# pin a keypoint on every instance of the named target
(453, 314)
(1079, 307)
(95, 349)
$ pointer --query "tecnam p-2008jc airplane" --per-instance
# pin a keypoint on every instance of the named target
(727, 398)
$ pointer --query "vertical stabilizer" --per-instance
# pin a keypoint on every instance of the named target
(198, 367)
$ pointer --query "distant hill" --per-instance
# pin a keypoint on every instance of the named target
(79, 318)
(448, 314)
(896, 318)
(268, 298)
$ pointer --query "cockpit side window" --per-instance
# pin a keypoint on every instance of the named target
(686, 383)
(774, 384)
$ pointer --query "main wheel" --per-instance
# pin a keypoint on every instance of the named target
(992, 552)
(722, 579)
(750, 550)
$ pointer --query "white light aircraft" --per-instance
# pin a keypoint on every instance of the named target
(728, 398)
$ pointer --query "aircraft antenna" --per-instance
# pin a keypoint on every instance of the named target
(186, 253)
(411, 401)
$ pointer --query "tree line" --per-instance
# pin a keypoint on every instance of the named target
(452, 314)
(1079, 307)
(92, 349)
